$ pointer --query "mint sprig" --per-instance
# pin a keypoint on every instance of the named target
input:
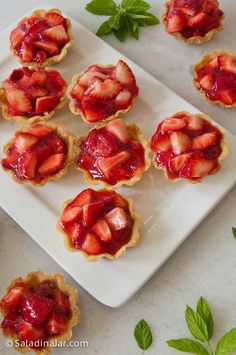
(125, 18)
(143, 335)
(201, 326)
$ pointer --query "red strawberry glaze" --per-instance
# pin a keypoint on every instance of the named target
(31, 310)
(97, 222)
(33, 92)
(187, 147)
(37, 38)
(217, 79)
(193, 17)
(35, 154)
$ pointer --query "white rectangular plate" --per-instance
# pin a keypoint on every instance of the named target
(170, 211)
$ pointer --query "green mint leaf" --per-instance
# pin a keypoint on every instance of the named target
(104, 29)
(143, 334)
(133, 27)
(227, 344)
(187, 346)
(234, 232)
(135, 6)
(145, 20)
(102, 7)
(123, 31)
(204, 311)
(115, 21)
(196, 325)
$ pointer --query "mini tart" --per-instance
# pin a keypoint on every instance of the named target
(39, 308)
(193, 21)
(215, 77)
(99, 224)
(113, 154)
(39, 153)
(41, 39)
(188, 147)
(102, 92)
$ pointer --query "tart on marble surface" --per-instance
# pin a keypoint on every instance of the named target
(102, 92)
(39, 308)
(193, 21)
(30, 95)
(215, 78)
(99, 224)
(113, 154)
(39, 153)
(188, 146)
(41, 39)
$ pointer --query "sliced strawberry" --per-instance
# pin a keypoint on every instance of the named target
(37, 309)
(78, 92)
(28, 333)
(214, 63)
(40, 56)
(24, 82)
(57, 324)
(17, 36)
(39, 130)
(102, 230)
(175, 24)
(88, 76)
(106, 165)
(52, 164)
(189, 11)
(71, 214)
(198, 20)
(46, 104)
(204, 141)
(83, 198)
(57, 144)
(27, 165)
(77, 232)
(48, 46)
(161, 144)
(14, 297)
(198, 168)
(117, 219)
(57, 34)
(11, 322)
(37, 91)
(62, 302)
(124, 74)
(124, 99)
(27, 52)
(227, 96)
(91, 212)
(46, 288)
(207, 82)
(106, 89)
(194, 123)
(54, 19)
(18, 100)
(180, 142)
(228, 63)
(24, 141)
(120, 202)
(177, 163)
(92, 245)
(173, 124)
(119, 129)
(11, 160)
(38, 77)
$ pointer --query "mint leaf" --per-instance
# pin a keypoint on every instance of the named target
(133, 27)
(234, 232)
(143, 335)
(102, 7)
(227, 344)
(146, 19)
(196, 325)
(115, 20)
(204, 311)
(187, 346)
(123, 31)
(104, 29)
(135, 6)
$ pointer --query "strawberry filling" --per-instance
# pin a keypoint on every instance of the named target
(218, 79)
(35, 312)
(193, 17)
(97, 222)
(35, 154)
(101, 92)
(109, 154)
(187, 147)
(33, 92)
(37, 38)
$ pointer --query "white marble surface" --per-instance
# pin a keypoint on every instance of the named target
(204, 265)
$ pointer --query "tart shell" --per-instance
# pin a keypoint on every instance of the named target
(132, 242)
(134, 133)
(66, 136)
(56, 58)
(193, 39)
(223, 155)
(205, 60)
(34, 278)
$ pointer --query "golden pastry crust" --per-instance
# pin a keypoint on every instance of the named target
(66, 136)
(34, 278)
(223, 155)
(134, 239)
(56, 58)
(193, 39)
(204, 61)
(24, 119)
(73, 106)
(135, 134)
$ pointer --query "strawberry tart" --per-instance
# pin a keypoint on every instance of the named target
(102, 92)
(41, 39)
(99, 224)
(113, 154)
(38, 310)
(39, 153)
(188, 146)
(193, 21)
(215, 77)
(30, 95)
